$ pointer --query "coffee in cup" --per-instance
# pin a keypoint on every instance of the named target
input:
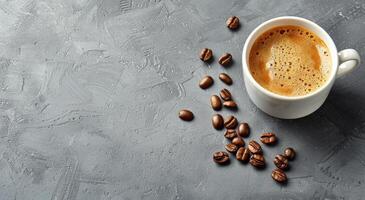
(290, 61)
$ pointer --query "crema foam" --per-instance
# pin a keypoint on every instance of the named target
(290, 61)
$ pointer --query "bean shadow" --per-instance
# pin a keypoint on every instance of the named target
(285, 184)
(224, 164)
(233, 110)
(263, 168)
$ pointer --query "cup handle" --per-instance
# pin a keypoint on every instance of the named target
(349, 60)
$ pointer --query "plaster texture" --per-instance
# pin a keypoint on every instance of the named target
(90, 91)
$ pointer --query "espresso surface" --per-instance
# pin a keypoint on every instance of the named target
(290, 61)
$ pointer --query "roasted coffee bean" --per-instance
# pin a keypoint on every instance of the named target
(289, 153)
(230, 122)
(238, 141)
(225, 78)
(186, 115)
(243, 129)
(221, 157)
(230, 104)
(243, 154)
(254, 147)
(206, 54)
(206, 82)
(225, 94)
(257, 160)
(279, 175)
(268, 138)
(225, 59)
(216, 103)
(233, 22)
(231, 148)
(217, 121)
(281, 162)
(230, 134)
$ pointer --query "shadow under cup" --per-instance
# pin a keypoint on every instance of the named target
(288, 107)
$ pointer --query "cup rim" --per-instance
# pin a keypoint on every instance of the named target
(328, 40)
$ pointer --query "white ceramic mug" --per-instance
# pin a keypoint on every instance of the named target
(288, 107)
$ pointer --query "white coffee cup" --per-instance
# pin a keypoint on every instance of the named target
(291, 107)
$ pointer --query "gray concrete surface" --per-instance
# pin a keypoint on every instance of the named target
(90, 90)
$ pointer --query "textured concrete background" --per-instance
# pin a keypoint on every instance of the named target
(90, 90)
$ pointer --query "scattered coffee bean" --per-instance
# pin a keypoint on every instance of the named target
(230, 134)
(243, 154)
(243, 130)
(268, 138)
(217, 121)
(279, 175)
(225, 94)
(221, 157)
(215, 102)
(257, 160)
(233, 22)
(186, 115)
(289, 153)
(254, 147)
(206, 82)
(206, 54)
(281, 162)
(232, 148)
(253, 153)
(230, 122)
(225, 78)
(230, 104)
(225, 59)
(238, 141)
